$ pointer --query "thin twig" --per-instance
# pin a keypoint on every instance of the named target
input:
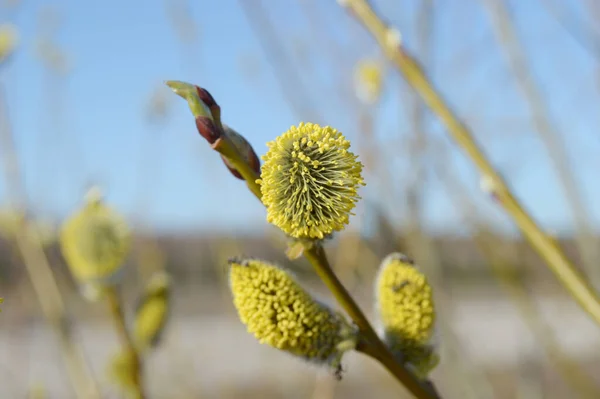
(555, 258)
(39, 270)
(422, 245)
(546, 128)
(574, 374)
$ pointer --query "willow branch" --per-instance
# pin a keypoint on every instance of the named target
(545, 126)
(557, 261)
(574, 374)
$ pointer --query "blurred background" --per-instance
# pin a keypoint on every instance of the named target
(82, 102)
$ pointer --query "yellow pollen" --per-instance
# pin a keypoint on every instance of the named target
(281, 314)
(309, 181)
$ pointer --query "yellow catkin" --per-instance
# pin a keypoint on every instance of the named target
(309, 181)
(9, 38)
(405, 306)
(121, 371)
(281, 314)
(95, 241)
(151, 312)
(368, 80)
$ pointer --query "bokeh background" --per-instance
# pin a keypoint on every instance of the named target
(82, 102)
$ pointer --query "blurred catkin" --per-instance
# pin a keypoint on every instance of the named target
(404, 302)
(152, 312)
(38, 391)
(121, 372)
(126, 367)
(368, 81)
(9, 39)
(95, 241)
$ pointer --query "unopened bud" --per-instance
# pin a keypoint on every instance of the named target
(208, 122)
(191, 94)
(210, 102)
(393, 38)
(207, 129)
(490, 187)
(245, 150)
(204, 108)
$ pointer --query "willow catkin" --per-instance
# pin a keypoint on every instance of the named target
(281, 314)
(309, 181)
(95, 241)
(404, 304)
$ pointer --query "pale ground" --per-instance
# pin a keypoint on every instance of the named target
(213, 356)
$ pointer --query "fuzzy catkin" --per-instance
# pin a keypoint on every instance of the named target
(95, 241)
(405, 307)
(9, 38)
(309, 181)
(368, 81)
(281, 314)
(152, 312)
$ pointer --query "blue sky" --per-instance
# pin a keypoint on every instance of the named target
(90, 125)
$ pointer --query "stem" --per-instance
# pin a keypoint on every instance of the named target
(372, 345)
(556, 260)
(226, 148)
(118, 316)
